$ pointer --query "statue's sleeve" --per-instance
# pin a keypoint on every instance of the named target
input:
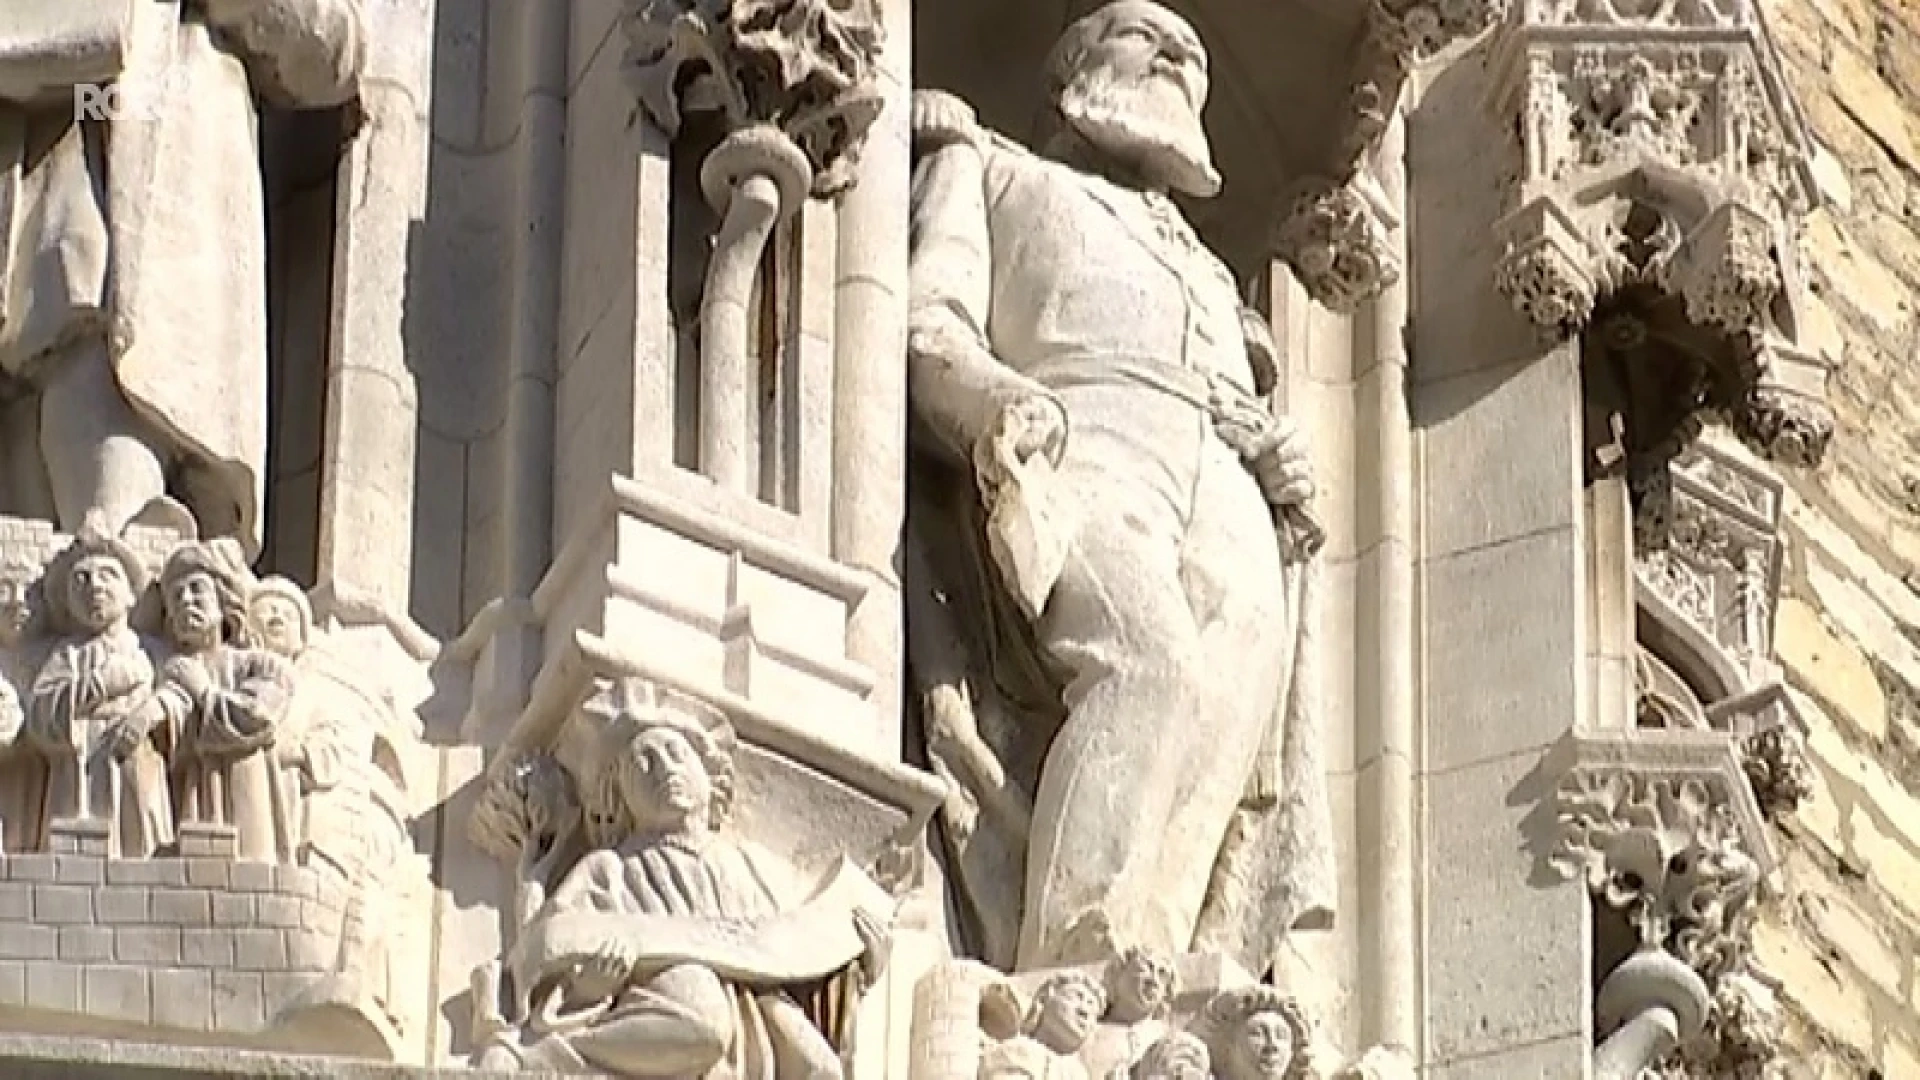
(55, 698)
(956, 382)
(300, 53)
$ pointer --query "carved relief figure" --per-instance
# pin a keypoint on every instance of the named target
(1259, 1034)
(91, 712)
(1139, 986)
(223, 702)
(22, 776)
(132, 280)
(345, 787)
(1065, 1010)
(670, 955)
(1098, 439)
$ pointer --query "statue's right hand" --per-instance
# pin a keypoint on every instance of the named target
(612, 964)
(1030, 425)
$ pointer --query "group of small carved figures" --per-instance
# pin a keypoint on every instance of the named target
(147, 719)
(1120, 1025)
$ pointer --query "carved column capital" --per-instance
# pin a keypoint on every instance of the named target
(806, 68)
(1338, 239)
(1666, 831)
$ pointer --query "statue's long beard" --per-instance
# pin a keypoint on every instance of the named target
(1149, 124)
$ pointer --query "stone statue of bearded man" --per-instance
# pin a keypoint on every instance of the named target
(1109, 556)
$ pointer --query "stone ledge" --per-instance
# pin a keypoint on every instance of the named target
(47, 1057)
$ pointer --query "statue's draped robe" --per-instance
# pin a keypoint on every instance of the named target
(68, 711)
(221, 745)
(150, 226)
(710, 880)
(1033, 280)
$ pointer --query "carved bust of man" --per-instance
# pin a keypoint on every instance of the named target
(666, 955)
(1139, 985)
(223, 701)
(1259, 1034)
(1067, 322)
(1057, 1023)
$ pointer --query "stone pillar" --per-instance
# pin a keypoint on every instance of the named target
(365, 546)
(869, 386)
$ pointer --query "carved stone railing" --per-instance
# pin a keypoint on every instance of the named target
(1661, 155)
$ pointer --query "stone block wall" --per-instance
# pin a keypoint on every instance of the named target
(197, 945)
(1844, 939)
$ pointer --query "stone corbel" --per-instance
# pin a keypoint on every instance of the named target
(1545, 270)
(1665, 831)
(1726, 270)
(1338, 238)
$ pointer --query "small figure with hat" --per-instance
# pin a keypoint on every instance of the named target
(89, 714)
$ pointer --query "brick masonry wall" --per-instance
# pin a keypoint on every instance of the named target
(182, 944)
(1844, 940)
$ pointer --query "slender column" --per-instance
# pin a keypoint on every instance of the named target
(1390, 948)
(869, 389)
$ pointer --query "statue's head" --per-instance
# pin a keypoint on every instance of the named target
(1259, 1034)
(205, 587)
(1139, 984)
(16, 602)
(281, 616)
(673, 766)
(94, 583)
(1066, 1010)
(1131, 80)
(1180, 1055)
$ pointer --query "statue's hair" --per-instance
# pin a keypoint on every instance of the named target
(1116, 968)
(274, 585)
(92, 540)
(1228, 1011)
(1170, 1048)
(631, 707)
(1069, 55)
(1057, 983)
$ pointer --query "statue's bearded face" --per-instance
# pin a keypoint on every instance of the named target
(278, 622)
(98, 592)
(193, 607)
(1264, 1049)
(668, 787)
(1132, 82)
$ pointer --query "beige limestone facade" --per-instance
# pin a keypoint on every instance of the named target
(935, 539)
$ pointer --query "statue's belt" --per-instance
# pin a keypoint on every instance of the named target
(1191, 385)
